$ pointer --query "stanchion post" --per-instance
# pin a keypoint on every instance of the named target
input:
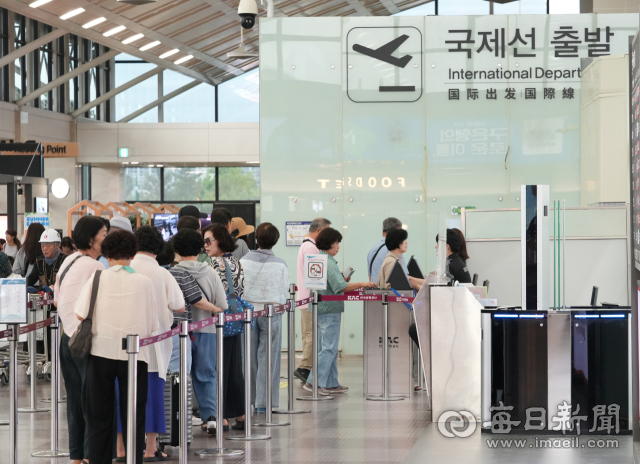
(220, 450)
(184, 390)
(268, 374)
(33, 361)
(247, 383)
(133, 348)
(385, 356)
(13, 393)
(315, 397)
(291, 354)
(55, 360)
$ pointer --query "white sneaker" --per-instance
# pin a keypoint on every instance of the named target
(321, 391)
(196, 421)
(211, 426)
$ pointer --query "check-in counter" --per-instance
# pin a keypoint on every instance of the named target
(537, 363)
(448, 325)
(399, 342)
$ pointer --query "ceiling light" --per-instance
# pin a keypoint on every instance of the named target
(184, 59)
(135, 162)
(137, 2)
(252, 162)
(152, 165)
(159, 165)
(39, 3)
(73, 13)
(149, 46)
(133, 38)
(169, 53)
(115, 30)
(95, 22)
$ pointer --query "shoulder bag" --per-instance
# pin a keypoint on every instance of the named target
(236, 305)
(80, 341)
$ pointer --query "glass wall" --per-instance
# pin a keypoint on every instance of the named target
(239, 98)
(195, 105)
(192, 185)
(129, 67)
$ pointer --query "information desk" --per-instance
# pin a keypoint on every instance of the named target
(400, 360)
(448, 325)
(556, 371)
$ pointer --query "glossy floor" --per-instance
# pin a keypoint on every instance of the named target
(347, 429)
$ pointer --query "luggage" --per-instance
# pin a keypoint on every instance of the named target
(172, 409)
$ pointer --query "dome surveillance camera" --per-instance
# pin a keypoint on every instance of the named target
(247, 10)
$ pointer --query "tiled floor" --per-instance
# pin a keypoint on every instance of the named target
(347, 429)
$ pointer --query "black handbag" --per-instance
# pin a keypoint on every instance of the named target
(80, 341)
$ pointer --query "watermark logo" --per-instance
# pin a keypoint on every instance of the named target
(459, 424)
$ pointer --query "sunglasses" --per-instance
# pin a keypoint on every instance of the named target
(209, 241)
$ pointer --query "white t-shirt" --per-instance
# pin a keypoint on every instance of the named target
(67, 295)
(169, 298)
(125, 305)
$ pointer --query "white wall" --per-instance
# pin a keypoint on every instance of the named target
(58, 207)
(169, 142)
(105, 184)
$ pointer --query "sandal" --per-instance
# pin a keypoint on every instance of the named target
(158, 457)
(417, 388)
(238, 425)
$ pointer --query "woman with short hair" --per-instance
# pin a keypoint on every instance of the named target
(266, 279)
(396, 243)
(219, 246)
(188, 243)
(329, 317)
(74, 273)
(125, 304)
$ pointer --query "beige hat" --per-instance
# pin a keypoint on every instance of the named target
(241, 226)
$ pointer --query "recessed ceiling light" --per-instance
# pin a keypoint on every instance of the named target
(115, 30)
(135, 162)
(184, 59)
(39, 3)
(149, 46)
(152, 165)
(169, 53)
(133, 38)
(159, 165)
(95, 22)
(252, 162)
(72, 13)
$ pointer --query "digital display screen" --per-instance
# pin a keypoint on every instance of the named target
(41, 205)
(167, 225)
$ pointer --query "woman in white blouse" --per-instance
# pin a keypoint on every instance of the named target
(125, 304)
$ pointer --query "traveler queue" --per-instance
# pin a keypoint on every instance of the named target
(138, 283)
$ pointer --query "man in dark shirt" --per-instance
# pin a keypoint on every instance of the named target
(46, 268)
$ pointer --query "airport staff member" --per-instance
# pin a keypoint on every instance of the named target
(379, 252)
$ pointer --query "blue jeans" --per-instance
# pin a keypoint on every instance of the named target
(328, 341)
(174, 362)
(259, 361)
(203, 373)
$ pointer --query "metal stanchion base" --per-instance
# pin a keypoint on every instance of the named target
(382, 398)
(286, 411)
(48, 400)
(251, 438)
(311, 398)
(272, 424)
(50, 454)
(34, 409)
(219, 452)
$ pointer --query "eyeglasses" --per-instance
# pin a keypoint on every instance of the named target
(209, 241)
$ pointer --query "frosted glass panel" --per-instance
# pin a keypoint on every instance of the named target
(492, 224)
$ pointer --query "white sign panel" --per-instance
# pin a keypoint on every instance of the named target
(315, 272)
(13, 301)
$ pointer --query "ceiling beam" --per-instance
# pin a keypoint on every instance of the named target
(53, 20)
(31, 46)
(66, 77)
(163, 99)
(390, 6)
(116, 91)
(359, 7)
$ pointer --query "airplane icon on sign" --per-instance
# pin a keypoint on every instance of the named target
(384, 53)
